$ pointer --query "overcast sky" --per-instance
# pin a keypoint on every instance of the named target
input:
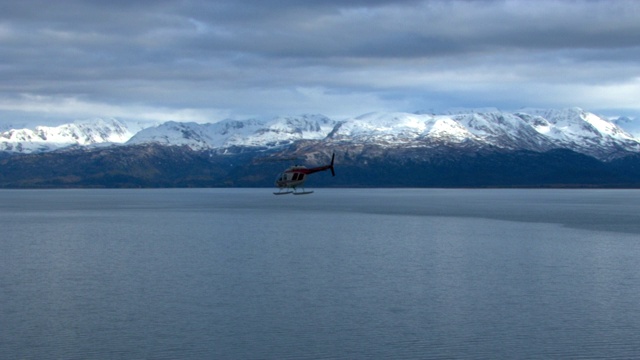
(206, 60)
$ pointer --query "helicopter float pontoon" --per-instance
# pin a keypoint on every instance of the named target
(294, 177)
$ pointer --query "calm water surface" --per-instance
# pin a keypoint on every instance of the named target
(340, 274)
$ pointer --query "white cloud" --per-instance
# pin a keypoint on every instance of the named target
(74, 108)
(204, 60)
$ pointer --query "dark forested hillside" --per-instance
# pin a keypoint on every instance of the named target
(175, 166)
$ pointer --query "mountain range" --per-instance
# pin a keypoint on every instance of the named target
(488, 147)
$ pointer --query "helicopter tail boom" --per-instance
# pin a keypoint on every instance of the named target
(320, 168)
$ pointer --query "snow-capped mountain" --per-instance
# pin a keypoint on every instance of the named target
(582, 132)
(482, 147)
(230, 133)
(82, 133)
(527, 129)
(543, 130)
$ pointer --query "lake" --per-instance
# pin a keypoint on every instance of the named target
(339, 274)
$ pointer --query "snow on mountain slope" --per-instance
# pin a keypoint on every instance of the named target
(527, 129)
(631, 126)
(576, 123)
(285, 130)
(447, 129)
(401, 129)
(83, 133)
(382, 127)
(503, 130)
(228, 133)
(581, 131)
(535, 130)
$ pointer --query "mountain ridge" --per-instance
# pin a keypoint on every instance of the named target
(526, 129)
(80, 133)
(532, 148)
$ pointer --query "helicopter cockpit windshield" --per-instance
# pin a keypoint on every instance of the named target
(287, 177)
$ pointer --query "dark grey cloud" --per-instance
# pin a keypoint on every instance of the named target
(210, 59)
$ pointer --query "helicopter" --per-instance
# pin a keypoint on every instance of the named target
(289, 180)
